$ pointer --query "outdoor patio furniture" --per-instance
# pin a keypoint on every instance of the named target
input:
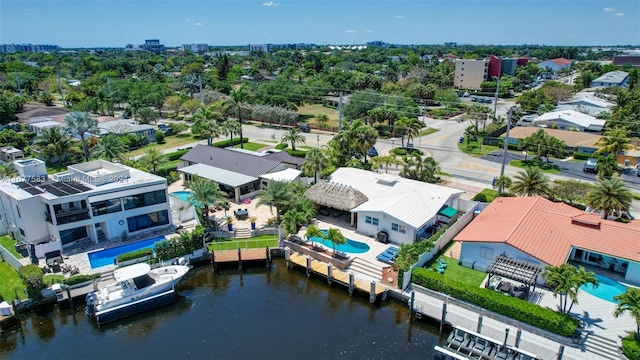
(385, 258)
(505, 287)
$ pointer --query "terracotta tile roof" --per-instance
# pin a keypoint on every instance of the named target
(547, 230)
(561, 61)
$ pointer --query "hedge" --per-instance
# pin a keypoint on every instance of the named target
(581, 156)
(164, 171)
(134, 255)
(298, 153)
(282, 146)
(176, 155)
(227, 143)
(80, 279)
(631, 347)
(512, 307)
(33, 277)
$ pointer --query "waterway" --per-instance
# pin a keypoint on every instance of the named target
(255, 314)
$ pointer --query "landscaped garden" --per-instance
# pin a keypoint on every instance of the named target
(545, 167)
(7, 242)
(476, 148)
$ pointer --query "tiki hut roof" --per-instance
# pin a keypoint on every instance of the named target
(334, 195)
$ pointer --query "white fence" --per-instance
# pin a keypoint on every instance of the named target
(9, 258)
(448, 235)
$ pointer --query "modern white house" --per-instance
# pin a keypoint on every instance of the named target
(537, 231)
(128, 127)
(38, 126)
(93, 201)
(612, 78)
(405, 209)
(570, 120)
(9, 154)
(586, 103)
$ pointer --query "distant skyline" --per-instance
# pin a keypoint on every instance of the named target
(115, 23)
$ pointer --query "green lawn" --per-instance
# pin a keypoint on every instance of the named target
(312, 110)
(252, 146)
(170, 142)
(489, 194)
(459, 272)
(10, 283)
(427, 131)
(476, 149)
(51, 279)
(8, 243)
(252, 243)
(547, 168)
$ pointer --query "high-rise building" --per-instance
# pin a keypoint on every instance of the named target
(469, 74)
(196, 48)
(12, 48)
(152, 45)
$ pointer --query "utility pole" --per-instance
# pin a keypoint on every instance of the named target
(200, 86)
(506, 142)
(64, 102)
(340, 112)
(110, 105)
(495, 105)
(18, 82)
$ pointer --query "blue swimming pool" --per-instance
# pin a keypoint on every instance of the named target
(607, 288)
(352, 246)
(107, 256)
(184, 196)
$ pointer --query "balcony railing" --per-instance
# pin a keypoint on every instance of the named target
(66, 217)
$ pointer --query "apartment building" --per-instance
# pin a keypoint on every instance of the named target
(469, 73)
(92, 201)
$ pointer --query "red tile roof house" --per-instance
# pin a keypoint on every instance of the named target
(555, 64)
(541, 232)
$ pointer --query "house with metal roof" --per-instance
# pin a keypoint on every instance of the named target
(237, 171)
(405, 209)
(612, 78)
(541, 232)
(570, 120)
(586, 103)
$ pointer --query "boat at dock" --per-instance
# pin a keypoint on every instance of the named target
(466, 344)
(136, 288)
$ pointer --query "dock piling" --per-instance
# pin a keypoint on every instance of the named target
(68, 289)
(560, 352)
(268, 256)
(239, 259)
(213, 261)
(308, 266)
(444, 314)
(16, 313)
(518, 336)
(372, 292)
(329, 273)
(479, 329)
(412, 302)
(287, 257)
(351, 283)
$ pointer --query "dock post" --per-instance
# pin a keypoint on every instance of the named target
(479, 329)
(213, 261)
(68, 288)
(412, 302)
(287, 257)
(444, 314)
(351, 283)
(268, 256)
(372, 292)
(239, 259)
(518, 336)
(329, 273)
(308, 266)
(16, 313)
(560, 352)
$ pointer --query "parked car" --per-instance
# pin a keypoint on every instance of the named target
(372, 152)
(590, 165)
(304, 128)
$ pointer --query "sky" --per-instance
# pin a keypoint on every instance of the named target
(115, 23)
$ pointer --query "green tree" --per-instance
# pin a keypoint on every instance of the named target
(205, 122)
(205, 192)
(570, 190)
(565, 281)
(614, 141)
(607, 166)
(609, 196)
(109, 147)
(231, 127)
(174, 103)
(531, 182)
(335, 236)
(152, 159)
(7, 170)
(503, 182)
(294, 135)
(378, 161)
(314, 162)
(629, 302)
(146, 115)
(237, 104)
(322, 120)
(82, 123)
(275, 193)
(159, 135)
(312, 233)
(55, 142)
(413, 129)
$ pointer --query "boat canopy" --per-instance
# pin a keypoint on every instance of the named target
(132, 271)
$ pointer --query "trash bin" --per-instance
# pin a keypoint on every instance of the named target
(461, 139)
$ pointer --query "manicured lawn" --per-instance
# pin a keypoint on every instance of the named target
(53, 279)
(170, 142)
(427, 131)
(8, 243)
(476, 149)
(489, 194)
(252, 243)
(547, 168)
(252, 146)
(313, 110)
(10, 283)
(459, 272)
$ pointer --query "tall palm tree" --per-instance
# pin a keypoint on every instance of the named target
(614, 141)
(503, 182)
(429, 168)
(609, 196)
(236, 104)
(204, 193)
(629, 301)
(109, 147)
(413, 129)
(275, 193)
(607, 166)
(152, 159)
(335, 236)
(7, 170)
(81, 122)
(345, 139)
(401, 128)
(566, 281)
(315, 161)
(378, 161)
(204, 121)
(294, 135)
(365, 137)
(55, 142)
(312, 233)
(231, 127)
(210, 130)
(580, 277)
(531, 182)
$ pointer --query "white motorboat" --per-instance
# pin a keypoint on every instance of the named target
(135, 287)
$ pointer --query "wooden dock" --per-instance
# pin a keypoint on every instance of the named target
(333, 274)
(240, 256)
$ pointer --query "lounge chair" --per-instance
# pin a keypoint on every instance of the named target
(442, 263)
(392, 250)
(385, 258)
(490, 351)
(390, 255)
(439, 269)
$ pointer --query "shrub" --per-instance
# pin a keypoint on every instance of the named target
(581, 156)
(159, 137)
(298, 153)
(33, 277)
(480, 197)
(400, 151)
(185, 244)
(282, 146)
(227, 143)
(409, 254)
(134, 255)
(631, 347)
(512, 307)
(166, 170)
(80, 279)
(176, 155)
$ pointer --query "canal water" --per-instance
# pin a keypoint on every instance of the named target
(255, 314)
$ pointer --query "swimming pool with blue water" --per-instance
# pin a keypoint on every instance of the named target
(107, 256)
(607, 288)
(351, 247)
(184, 196)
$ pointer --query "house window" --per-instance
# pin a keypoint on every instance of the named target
(106, 207)
(71, 235)
(371, 220)
(146, 199)
(399, 228)
(486, 253)
(22, 232)
(18, 210)
(147, 221)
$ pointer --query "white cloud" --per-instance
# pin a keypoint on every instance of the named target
(350, 31)
(270, 4)
(371, 31)
(619, 14)
(399, 17)
(198, 24)
(609, 9)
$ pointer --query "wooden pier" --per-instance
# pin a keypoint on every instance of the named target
(240, 256)
(333, 274)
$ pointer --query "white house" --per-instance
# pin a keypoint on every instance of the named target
(9, 154)
(45, 123)
(555, 64)
(612, 78)
(403, 208)
(587, 103)
(537, 231)
(128, 127)
(96, 200)
(571, 120)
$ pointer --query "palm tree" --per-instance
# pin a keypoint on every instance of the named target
(81, 122)
(413, 129)
(210, 130)
(566, 281)
(312, 233)
(292, 219)
(55, 142)
(607, 166)
(629, 301)
(400, 128)
(204, 122)
(230, 127)
(428, 169)
(153, 158)
(236, 104)
(7, 170)
(204, 193)
(109, 147)
(335, 236)
(365, 137)
(531, 182)
(315, 161)
(322, 120)
(378, 161)
(609, 196)
(614, 141)
(503, 182)
(469, 132)
(294, 135)
(580, 277)
(275, 193)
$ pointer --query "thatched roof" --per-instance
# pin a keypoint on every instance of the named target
(334, 195)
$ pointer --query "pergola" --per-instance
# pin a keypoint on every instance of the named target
(513, 269)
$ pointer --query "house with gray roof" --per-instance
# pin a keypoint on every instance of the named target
(128, 127)
(612, 78)
(237, 171)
